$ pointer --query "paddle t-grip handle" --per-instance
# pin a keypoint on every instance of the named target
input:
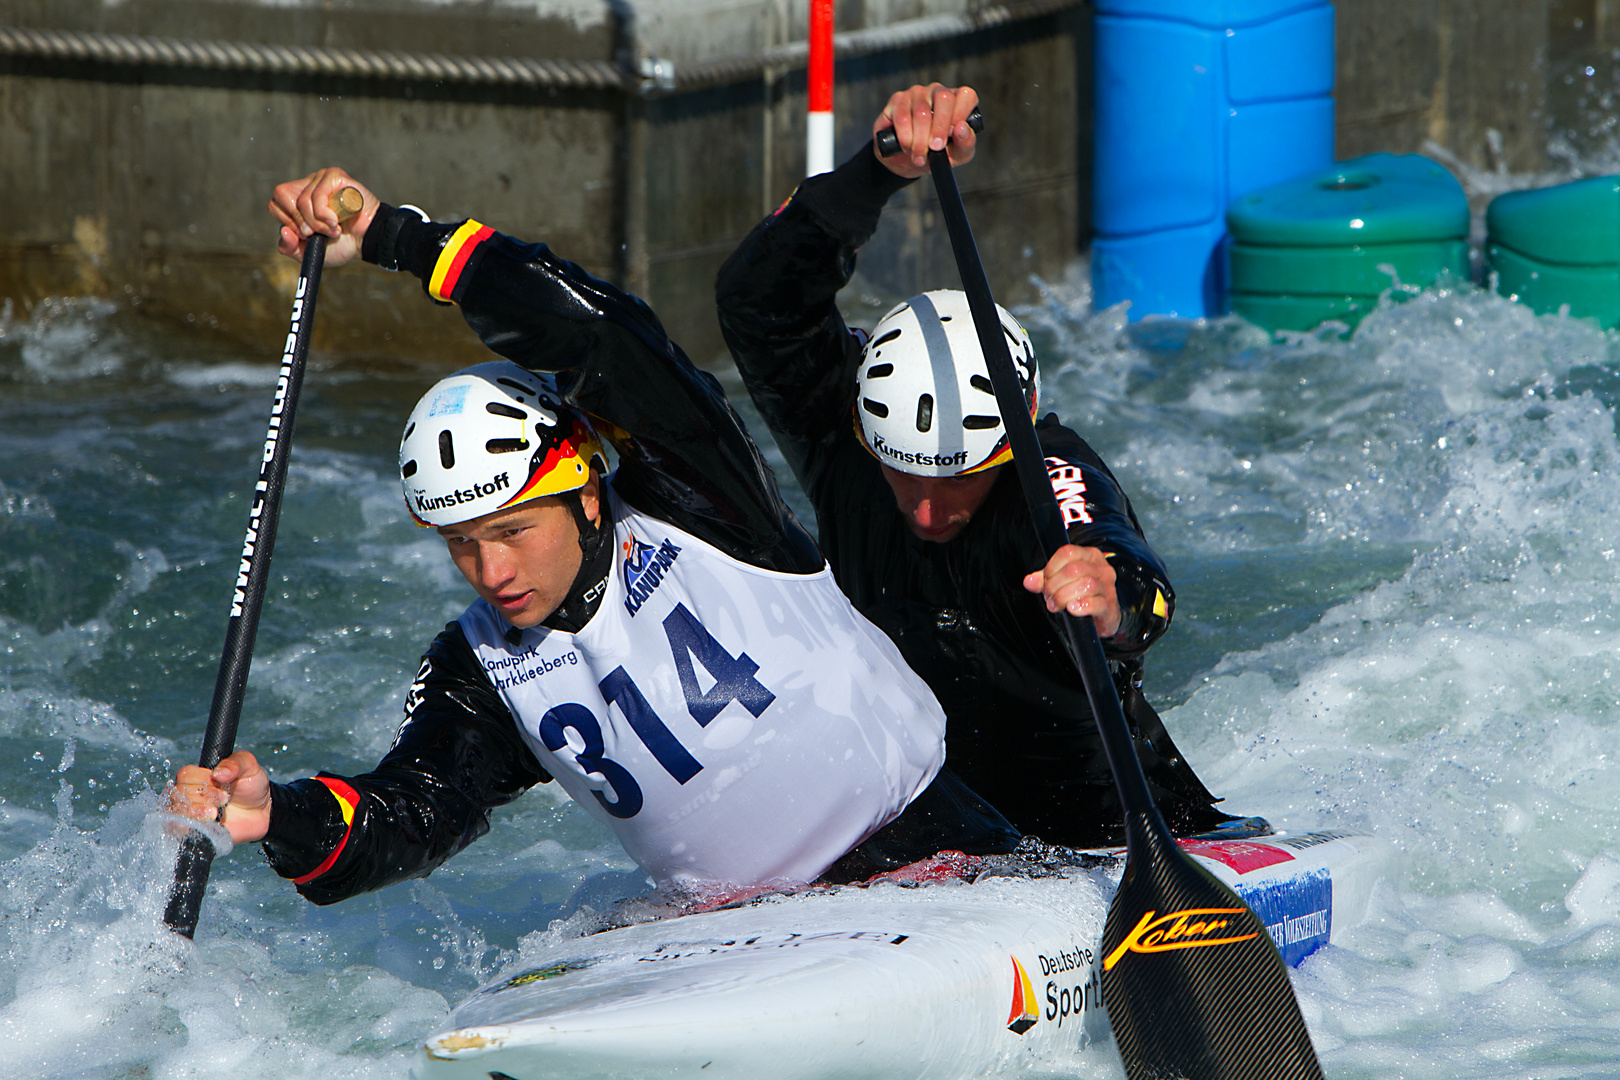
(346, 202)
(888, 143)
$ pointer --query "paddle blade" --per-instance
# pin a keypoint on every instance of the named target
(1194, 987)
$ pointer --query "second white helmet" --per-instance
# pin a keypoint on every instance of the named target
(924, 404)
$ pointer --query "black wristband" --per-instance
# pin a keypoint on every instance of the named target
(392, 220)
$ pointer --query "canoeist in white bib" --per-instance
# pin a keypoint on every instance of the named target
(662, 639)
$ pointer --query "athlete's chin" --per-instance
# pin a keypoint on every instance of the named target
(937, 535)
(521, 611)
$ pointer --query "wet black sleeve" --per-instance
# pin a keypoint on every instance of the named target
(458, 755)
(776, 299)
(684, 455)
(1098, 514)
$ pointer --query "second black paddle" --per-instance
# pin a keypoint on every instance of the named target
(1194, 986)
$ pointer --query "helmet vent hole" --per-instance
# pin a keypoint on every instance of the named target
(944, 318)
(981, 423)
(408, 430)
(408, 469)
(447, 450)
(513, 384)
(886, 338)
(495, 408)
(925, 412)
(880, 371)
(506, 446)
(979, 382)
(876, 408)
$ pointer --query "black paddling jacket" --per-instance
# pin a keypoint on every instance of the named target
(690, 462)
(1019, 728)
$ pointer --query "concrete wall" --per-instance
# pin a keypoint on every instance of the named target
(148, 184)
(1451, 71)
(1027, 193)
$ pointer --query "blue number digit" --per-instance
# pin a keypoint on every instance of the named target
(733, 675)
(618, 688)
(553, 732)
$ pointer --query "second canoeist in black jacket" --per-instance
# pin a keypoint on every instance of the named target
(895, 438)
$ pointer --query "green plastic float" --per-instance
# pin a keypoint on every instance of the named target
(1323, 246)
(1559, 245)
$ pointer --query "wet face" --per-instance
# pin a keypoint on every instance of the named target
(522, 559)
(939, 507)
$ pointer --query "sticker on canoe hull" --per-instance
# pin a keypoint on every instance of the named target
(550, 971)
(1241, 855)
(1297, 912)
(1025, 1010)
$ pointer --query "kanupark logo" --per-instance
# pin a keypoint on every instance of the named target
(1192, 928)
(644, 569)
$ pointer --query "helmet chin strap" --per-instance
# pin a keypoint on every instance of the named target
(596, 562)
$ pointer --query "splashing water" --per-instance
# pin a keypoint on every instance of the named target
(1395, 558)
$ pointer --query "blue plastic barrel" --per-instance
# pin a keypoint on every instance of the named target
(1197, 103)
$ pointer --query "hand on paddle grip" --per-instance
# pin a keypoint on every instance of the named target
(888, 145)
(235, 793)
(325, 202)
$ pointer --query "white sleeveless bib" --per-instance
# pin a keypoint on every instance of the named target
(731, 724)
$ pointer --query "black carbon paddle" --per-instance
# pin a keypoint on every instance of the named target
(1193, 984)
(253, 571)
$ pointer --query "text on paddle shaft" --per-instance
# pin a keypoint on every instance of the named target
(689, 641)
(271, 440)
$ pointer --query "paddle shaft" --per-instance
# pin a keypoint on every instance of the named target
(1080, 633)
(253, 573)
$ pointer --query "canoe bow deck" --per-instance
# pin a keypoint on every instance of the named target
(937, 982)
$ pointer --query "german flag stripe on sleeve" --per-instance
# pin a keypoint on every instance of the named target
(453, 259)
(348, 799)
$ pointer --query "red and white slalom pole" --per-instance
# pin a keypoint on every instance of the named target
(819, 125)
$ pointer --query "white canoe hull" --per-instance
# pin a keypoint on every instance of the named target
(941, 982)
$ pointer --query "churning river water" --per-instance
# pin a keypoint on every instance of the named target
(1396, 557)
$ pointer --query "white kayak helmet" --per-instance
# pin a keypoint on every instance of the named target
(923, 400)
(492, 436)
